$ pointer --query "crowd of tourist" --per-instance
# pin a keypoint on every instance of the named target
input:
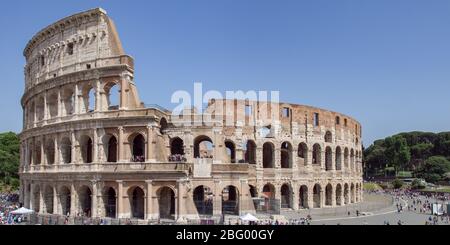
(8, 203)
(422, 204)
(177, 158)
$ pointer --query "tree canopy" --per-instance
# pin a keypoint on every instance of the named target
(413, 151)
(9, 159)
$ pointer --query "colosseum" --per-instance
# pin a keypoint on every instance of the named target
(90, 147)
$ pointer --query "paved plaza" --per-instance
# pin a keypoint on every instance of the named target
(388, 215)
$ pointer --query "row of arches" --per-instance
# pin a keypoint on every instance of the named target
(318, 197)
(65, 148)
(65, 101)
(83, 203)
(203, 147)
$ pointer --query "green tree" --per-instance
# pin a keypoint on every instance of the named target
(397, 184)
(434, 169)
(398, 152)
(375, 158)
(9, 159)
(422, 151)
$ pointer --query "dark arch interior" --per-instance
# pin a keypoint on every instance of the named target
(139, 149)
(203, 199)
(250, 153)
(166, 203)
(112, 149)
(230, 201)
(110, 203)
(137, 203)
(268, 157)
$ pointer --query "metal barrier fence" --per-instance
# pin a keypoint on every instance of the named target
(267, 206)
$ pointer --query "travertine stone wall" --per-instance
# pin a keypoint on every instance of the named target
(90, 147)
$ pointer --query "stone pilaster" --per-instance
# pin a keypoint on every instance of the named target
(120, 145)
(120, 196)
(149, 199)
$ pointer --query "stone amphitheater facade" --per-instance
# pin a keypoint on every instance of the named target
(81, 154)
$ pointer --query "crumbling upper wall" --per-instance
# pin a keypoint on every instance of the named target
(82, 41)
(286, 116)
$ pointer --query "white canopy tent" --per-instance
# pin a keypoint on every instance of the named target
(22, 211)
(249, 218)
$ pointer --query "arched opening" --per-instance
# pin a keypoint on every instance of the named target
(346, 194)
(66, 150)
(112, 92)
(138, 149)
(163, 125)
(303, 202)
(303, 153)
(352, 193)
(286, 196)
(31, 115)
(85, 201)
(338, 158)
(269, 191)
(346, 155)
(203, 199)
(268, 156)
(52, 105)
(110, 148)
(91, 101)
(270, 203)
(166, 200)
(329, 195)
(88, 101)
(352, 160)
(137, 203)
(250, 152)
(231, 151)
(38, 153)
(48, 199)
(328, 159)
(328, 137)
(36, 198)
(317, 154)
(338, 120)
(317, 196)
(86, 149)
(253, 191)
(40, 109)
(339, 194)
(65, 200)
(203, 147)
(50, 151)
(110, 203)
(230, 200)
(68, 102)
(30, 155)
(286, 155)
(176, 150)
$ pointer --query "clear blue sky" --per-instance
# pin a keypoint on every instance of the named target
(384, 62)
